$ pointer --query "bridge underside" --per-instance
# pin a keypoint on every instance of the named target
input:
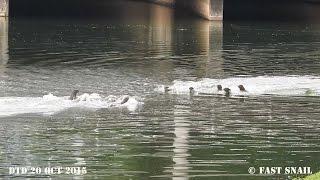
(208, 9)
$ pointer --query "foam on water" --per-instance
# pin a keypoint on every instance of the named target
(50, 104)
(274, 85)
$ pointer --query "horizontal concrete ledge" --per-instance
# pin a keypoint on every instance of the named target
(169, 3)
(207, 9)
(215, 18)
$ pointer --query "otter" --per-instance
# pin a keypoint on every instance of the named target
(219, 87)
(125, 100)
(191, 89)
(227, 92)
(73, 95)
(242, 89)
(166, 89)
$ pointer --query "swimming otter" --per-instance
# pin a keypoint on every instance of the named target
(227, 92)
(73, 95)
(242, 89)
(219, 87)
(166, 89)
(191, 90)
(125, 100)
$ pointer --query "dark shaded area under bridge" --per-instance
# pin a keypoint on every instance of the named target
(233, 9)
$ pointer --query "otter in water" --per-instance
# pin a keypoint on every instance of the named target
(219, 87)
(166, 89)
(227, 92)
(125, 100)
(73, 95)
(242, 89)
(191, 89)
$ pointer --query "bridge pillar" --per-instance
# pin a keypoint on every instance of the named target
(216, 10)
(208, 9)
(4, 8)
(4, 57)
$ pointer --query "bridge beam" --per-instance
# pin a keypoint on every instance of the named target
(4, 8)
(164, 2)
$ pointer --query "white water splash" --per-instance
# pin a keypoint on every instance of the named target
(50, 104)
(274, 85)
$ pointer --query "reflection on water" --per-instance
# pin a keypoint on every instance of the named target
(180, 143)
(173, 135)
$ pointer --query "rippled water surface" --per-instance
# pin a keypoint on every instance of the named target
(158, 135)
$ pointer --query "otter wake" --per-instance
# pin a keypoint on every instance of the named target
(50, 104)
(262, 85)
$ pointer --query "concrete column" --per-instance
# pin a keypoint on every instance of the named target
(216, 10)
(3, 43)
(4, 8)
(208, 9)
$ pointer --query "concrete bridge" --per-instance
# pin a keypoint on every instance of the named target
(208, 9)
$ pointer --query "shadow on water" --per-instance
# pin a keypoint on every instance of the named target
(280, 48)
(271, 10)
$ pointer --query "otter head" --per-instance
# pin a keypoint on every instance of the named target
(219, 87)
(191, 89)
(241, 87)
(75, 92)
(227, 91)
(166, 89)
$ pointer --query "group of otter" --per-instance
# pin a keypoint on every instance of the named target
(227, 91)
(74, 93)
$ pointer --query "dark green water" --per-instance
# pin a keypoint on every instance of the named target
(168, 136)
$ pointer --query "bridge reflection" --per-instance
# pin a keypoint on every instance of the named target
(160, 43)
(168, 40)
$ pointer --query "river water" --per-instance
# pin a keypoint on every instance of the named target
(158, 135)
